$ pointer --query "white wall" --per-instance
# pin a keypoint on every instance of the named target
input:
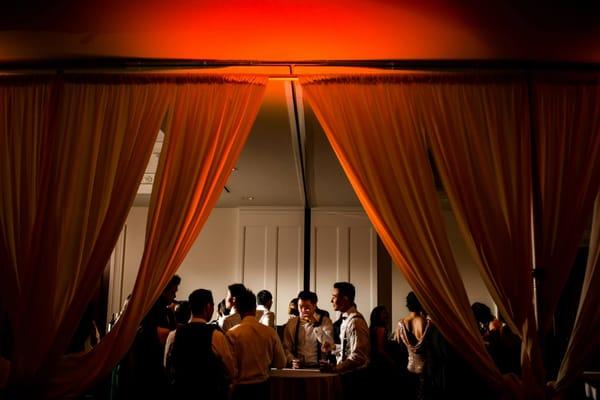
(264, 249)
(272, 254)
(344, 248)
(476, 289)
(211, 263)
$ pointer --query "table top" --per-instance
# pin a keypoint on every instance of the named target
(301, 373)
(591, 376)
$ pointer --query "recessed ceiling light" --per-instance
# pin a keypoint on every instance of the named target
(234, 169)
(248, 198)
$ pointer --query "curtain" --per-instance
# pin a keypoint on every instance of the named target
(373, 125)
(479, 130)
(209, 122)
(73, 155)
(584, 343)
(25, 108)
(567, 115)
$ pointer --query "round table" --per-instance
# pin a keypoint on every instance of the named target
(304, 384)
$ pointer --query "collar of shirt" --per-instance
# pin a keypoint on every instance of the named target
(198, 319)
(262, 308)
(350, 311)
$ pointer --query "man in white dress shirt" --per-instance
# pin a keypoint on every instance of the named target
(257, 348)
(355, 345)
(264, 315)
(233, 318)
(354, 332)
(309, 337)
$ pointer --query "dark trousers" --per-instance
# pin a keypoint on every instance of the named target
(356, 384)
(252, 391)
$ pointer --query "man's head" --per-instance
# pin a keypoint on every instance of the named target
(483, 314)
(170, 290)
(264, 298)
(233, 292)
(246, 303)
(293, 308)
(202, 304)
(307, 304)
(342, 297)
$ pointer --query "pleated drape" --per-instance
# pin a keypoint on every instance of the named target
(372, 124)
(74, 149)
(479, 130)
(584, 343)
(208, 125)
(518, 158)
(567, 116)
(73, 155)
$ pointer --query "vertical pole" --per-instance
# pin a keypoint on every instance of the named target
(307, 209)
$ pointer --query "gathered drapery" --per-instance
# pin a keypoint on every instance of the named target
(73, 155)
(567, 115)
(585, 342)
(479, 130)
(208, 124)
(25, 109)
(74, 149)
(372, 124)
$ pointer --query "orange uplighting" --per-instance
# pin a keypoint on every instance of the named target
(299, 30)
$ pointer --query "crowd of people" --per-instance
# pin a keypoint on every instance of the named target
(180, 352)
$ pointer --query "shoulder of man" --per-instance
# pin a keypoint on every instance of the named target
(356, 318)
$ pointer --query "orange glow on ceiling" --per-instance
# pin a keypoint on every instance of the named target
(298, 30)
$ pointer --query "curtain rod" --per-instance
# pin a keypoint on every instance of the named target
(96, 63)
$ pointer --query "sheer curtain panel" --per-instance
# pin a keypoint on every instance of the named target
(74, 152)
(209, 121)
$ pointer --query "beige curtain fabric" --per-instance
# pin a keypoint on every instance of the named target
(74, 153)
(567, 111)
(479, 130)
(584, 343)
(208, 126)
(25, 109)
(372, 123)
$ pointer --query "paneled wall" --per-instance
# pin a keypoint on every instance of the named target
(272, 254)
(212, 262)
(344, 248)
(264, 249)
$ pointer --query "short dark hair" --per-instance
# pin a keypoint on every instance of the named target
(482, 313)
(236, 289)
(175, 281)
(246, 302)
(293, 307)
(376, 316)
(412, 303)
(263, 297)
(308, 295)
(199, 299)
(346, 289)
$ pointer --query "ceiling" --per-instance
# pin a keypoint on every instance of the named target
(301, 30)
(269, 171)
